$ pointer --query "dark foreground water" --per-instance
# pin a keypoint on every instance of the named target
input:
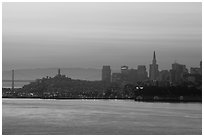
(36, 116)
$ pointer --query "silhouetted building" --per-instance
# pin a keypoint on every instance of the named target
(124, 69)
(195, 75)
(124, 73)
(195, 79)
(116, 77)
(201, 65)
(153, 69)
(196, 70)
(178, 72)
(164, 78)
(59, 75)
(132, 76)
(59, 72)
(164, 75)
(141, 73)
(106, 74)
(191, 78)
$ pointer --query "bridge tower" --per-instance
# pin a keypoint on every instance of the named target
(12, 86)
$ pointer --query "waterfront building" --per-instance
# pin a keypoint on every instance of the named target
(106, 74)
(153, 69)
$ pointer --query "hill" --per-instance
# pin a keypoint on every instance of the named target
(74, 73)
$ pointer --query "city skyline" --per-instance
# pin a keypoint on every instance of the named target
(152, 74)
(102, 68)
(60, 35)
(119, 68)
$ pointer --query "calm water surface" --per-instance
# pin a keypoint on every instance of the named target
(16, 84)
(36, 116)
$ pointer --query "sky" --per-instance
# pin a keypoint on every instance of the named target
(90, 35)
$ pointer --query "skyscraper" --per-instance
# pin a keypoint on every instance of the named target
(177, 72)
(141, 73)
(106, 74)
(153, 69)
(124, 73)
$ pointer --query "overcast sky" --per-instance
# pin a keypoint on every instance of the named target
(89, 35)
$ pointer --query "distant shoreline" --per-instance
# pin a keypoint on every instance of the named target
(144, 100)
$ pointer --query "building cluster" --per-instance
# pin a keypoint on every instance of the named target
(128, 84)
(178, 74)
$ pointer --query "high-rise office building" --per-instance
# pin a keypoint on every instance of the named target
(141, 73)
(153, 69)
(106, 74)
(164, 75)
(177, 72)
(124, 73)
(132, 75)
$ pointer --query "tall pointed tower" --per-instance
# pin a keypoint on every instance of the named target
(153, 69)
(154, 61)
